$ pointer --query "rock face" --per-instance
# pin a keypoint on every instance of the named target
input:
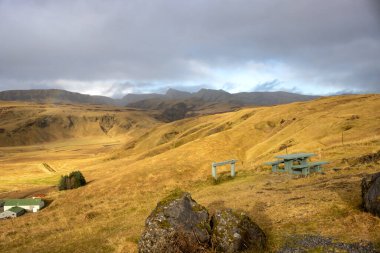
(371, 193)
(177, 224)
(233, 232)
(107, 122)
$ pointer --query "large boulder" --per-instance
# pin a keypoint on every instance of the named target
(233, 232)
(371, 193)
(177, 224)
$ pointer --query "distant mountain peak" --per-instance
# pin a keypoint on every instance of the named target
(177, 94)
(170, 90)
(213, 95)
(203, 90)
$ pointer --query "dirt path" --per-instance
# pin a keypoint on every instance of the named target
(27, 192)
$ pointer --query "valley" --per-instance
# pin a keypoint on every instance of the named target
(132, 159)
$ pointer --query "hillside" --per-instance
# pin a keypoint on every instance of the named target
(174, 109)
(54, 96)
(128, 179)
(26, 124)
(176, 105)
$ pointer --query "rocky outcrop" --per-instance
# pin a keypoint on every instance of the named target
(179, 224)
(107, 122)
(371, 193)
(234, 232)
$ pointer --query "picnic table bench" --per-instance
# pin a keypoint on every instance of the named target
(275, 165)
(296, 164)
(214, 164)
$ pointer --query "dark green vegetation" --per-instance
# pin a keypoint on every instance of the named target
(72, 181)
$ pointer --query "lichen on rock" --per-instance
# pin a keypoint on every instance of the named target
(177, 224)
(235, 232)
(371, 193)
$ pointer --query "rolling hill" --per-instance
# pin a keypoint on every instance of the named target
(128, 179)
(27, 124)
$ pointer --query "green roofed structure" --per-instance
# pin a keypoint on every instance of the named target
(17, 210)
(31, 204)
(12, 212)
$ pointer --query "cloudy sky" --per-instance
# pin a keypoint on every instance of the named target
(116, 47)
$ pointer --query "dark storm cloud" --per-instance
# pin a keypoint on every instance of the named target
(332, 43)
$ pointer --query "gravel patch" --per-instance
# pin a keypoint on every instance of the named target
(313, 243)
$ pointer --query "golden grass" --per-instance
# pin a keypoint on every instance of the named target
(126, 183)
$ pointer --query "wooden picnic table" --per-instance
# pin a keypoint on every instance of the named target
(296, 164)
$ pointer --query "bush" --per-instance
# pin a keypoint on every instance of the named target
(74, 180)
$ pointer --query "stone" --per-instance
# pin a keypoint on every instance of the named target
(177, 224)
(371, 193)
(233, 232)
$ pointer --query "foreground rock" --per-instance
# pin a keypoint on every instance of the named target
(177, 224)
(233, 232)
(371, 193)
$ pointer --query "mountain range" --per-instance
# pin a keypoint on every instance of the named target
(206, 95)
(172, 105)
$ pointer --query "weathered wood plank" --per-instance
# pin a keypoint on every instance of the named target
(295, 156)
(274, 162)
(224, 162)
(214, 164)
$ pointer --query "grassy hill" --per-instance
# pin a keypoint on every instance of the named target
(128, 179)
(27, 123)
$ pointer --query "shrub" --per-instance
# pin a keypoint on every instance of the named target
(74, 180)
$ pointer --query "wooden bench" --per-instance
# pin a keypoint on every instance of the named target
(303, 169)
(214, 164)
(275, 165)
(316, 166)
(306, 169)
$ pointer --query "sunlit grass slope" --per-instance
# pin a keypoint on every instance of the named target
(65, 137)
(108, 214)
(31, 123)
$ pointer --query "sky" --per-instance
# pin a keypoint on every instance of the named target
(116, 47)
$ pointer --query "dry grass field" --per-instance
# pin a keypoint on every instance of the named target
(137, 161)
